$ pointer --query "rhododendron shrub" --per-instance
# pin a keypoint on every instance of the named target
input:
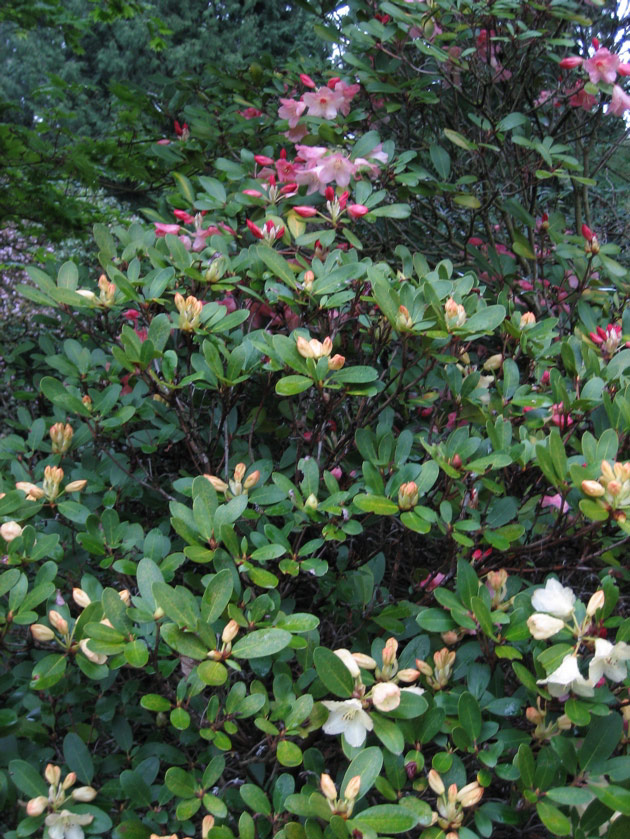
(314, 510)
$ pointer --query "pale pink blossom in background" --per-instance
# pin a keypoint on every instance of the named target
(337, 167)
(602, 67)
(619, 103)
(555, 501)
(162, 229)
(291, 110)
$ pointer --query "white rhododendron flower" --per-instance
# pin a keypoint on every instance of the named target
(567, 678)
(544, 626)
(348, 718)
(554, 599)
(67, 825)
(610, 661)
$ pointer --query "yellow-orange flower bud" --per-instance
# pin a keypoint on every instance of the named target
(52, 774)
(36, 806)
(353, 788)
(596, 602)
(408, 495)
(61, 437)
(217, 483)
(84, 794)
(95, 658)
(527, 319)
(328, 787)
(33, 492)
(336, 362)
(230, 631)
(80, 597)
(76, 486)
(455, 314)
(593, 488)
(107, 291)
(252, 479)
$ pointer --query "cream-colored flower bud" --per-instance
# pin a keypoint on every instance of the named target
(106, 622)
(36, 806)
(87, 401)
(33, 492)
(614, 488)
(364, 661)
(158, 614)
(409, 674)
(41, 632)
(85, 292)
(69, 781)
(53, 476)
(470, 795)
(350, 662)
(189, 309)
(403, 319)
(607, 471)
(424, 667)
(304, 347)
(408, 495)
(80, 598)
(309, 279)
(564, 723)
(311, 503)
(59, 622)
(495, 362)
(389, 651)
(386, 696)
(328, 787)
(497, 579)
(125, 596)
(239, 471)
(593, 488)
(107, 291)
(230, 632)
(76, 486)
(95, 658)
(217, 483)
(206, 826)
(534, 715)
(84, 794)
(544, 626)
(336, 362)
(353, 787)
(455, 314)
(436, 783)
(596, 602)
(52, 774)
(61, 437)
(252, 479)
(451, 636)
(10, 530)
(527, 319)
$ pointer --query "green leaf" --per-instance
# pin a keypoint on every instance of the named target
(78, 757)
(255, 799)
(486, 320)
(48, 671)
(375, 504)
(441, 161)
(277, 265)
(386, 818)
(615, 797)
(524, 761)
(290, 385)
(184, 187)
(459, 140)
(217, 595)
(482, 614)
(469, 715)
(600, 742)
(180, 783)
(367, 764)
(398, 211)
(389, 733)
(58, 395)
(260, 643)
(288, 753)
(554, 820)
(27, 779)
(212, 673)
(468, 200)
(178, 603)
(333, 672)
(155, 702)
(136, 653)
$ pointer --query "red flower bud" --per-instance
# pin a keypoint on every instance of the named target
(571, 61)
(595, 43)
(357, 210)
(332, 82)
(254, 229)
(587, 233)
(307, 81)
(305, 212)
(329, 193)
(263, 160)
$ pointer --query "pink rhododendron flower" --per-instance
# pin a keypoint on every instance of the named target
(338, 168)
(624, 69)
(165, 229)
(608, 339)
(291, 110)
(555, 501)
(348, 92)
(324, 102)
(286, 171)
(182, 215)
(432, 581)
(131, 315)
(602, 67)
(297, 134)
(579, 98)
(619, 103)
(336, 473)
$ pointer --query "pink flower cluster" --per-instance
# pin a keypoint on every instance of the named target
(200, 234)
(603, 66)
(316, 166)
(607, 339)
(326, 102)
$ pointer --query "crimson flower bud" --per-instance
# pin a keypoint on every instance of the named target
(255, 230)
(305, 212)
(571, 61)
(263, 160)
(357, 210)
(307, 81)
